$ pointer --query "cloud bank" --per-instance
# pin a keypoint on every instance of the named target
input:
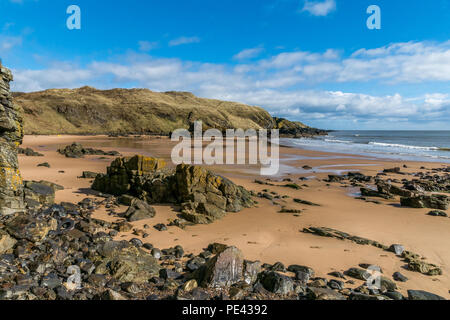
(281, 83)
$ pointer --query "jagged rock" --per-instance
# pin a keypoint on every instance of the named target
(23, 226)
(433, 201)
(223, 270)
(11, 134)
(387, 189)
(125, 175)
(139, 210)
(423, 295)
(203, 195)
(210, 195)
(276, 282)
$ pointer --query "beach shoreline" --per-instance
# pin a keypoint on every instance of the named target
(262, 233)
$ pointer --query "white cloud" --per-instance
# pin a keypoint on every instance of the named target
(183, 40)
(279, 83)
(7, 43)
(319, 8)
(248, 53)
(146, 46)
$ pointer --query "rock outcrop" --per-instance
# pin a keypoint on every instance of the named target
(202, 195)
(11, 134)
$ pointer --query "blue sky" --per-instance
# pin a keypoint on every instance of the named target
(314, 61)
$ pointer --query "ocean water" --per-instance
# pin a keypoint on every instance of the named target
(431, 146)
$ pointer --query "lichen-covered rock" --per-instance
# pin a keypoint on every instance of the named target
(124, 175)
(127, 263)
(11, 134)
(24, 226)
(203, 196)
(209, 195)
(433, 201)
(424, 267)
(43, 193)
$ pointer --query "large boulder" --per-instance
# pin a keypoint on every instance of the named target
(203, 196)
(223, 270)
(11, 134)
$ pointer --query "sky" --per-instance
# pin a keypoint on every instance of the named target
(314, 61)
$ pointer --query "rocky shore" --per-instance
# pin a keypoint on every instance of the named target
(62, 250)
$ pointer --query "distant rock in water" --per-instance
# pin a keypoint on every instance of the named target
(11, 134)
(203, 195)
(76, 150)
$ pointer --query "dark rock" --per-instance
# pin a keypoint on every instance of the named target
(160, 227)
(437, 213)
(399, 277)
(324, 294)
(45, 164)
(276, 282)
(296, 268)
(433, 201)
(423, 295)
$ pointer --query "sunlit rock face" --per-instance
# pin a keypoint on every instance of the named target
(11, 134)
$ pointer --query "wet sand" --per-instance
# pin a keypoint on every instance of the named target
(263, 233)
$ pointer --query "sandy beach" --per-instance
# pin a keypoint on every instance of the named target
(262, 233)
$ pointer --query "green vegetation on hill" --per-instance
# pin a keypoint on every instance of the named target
(87, 110)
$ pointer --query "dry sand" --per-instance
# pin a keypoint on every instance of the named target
(264, 234)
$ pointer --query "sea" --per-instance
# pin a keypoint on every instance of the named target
(433, 146)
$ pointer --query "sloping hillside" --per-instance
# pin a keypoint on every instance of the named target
(90, 111)
(136, 111)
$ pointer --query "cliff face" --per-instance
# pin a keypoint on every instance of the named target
(133, 111)
(11, 134)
